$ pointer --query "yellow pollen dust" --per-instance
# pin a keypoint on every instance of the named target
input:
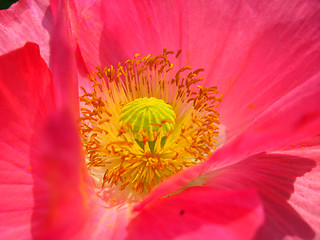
(142, 123)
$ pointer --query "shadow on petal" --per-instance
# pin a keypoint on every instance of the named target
(273, 175)
(26, 99)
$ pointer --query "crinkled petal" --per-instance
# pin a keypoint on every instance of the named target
(26, 98)
(306, 196)
(288, 189)
(26, 21)
(120, 29)
(199, 213)
(256, 52)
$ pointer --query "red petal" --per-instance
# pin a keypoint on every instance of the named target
(60, 176)
(199, 213)
(26, 98)
(26, 21)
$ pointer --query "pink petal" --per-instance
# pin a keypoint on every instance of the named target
(26, 21)
(199, 213)
(62, 61)
(69, 19)
(105, 223)
(287, 186)
(26, 99)
(290, 120)
(306, 196)
(61, 183)
(75, 9)
(254, 51)
(119, 29)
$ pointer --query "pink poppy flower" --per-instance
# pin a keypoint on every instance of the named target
(261, 182)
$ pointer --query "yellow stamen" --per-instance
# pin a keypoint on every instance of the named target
(137, 145)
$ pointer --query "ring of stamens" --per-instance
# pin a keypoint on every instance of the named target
(141, 157)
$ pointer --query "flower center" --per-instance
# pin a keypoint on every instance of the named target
(141, 123)
(148, 118)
